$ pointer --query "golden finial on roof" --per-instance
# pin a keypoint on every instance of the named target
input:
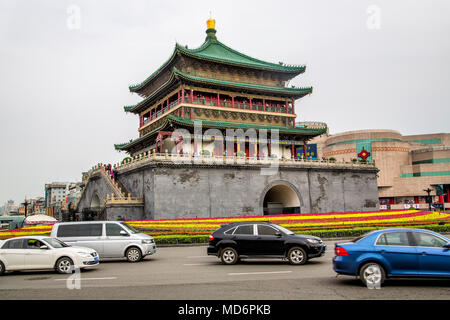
(210, 31)
(210, 23)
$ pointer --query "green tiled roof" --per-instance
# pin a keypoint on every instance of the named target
(216, 51)
(221, 124)
(228, 124)
(179, 74)
(122, 146)
(241, 84)
(133, 108)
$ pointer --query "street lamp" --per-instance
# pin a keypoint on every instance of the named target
(26, 203)
(428, 199)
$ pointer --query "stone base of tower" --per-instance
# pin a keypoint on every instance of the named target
(161, 189)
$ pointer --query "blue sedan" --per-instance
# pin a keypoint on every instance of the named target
(389, 253)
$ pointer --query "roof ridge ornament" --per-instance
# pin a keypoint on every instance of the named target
(210, 31)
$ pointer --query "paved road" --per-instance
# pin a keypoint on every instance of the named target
(188, 273)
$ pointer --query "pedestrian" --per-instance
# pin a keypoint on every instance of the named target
(115, 176)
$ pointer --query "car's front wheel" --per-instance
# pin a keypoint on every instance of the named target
(64, 265)
(297, 255)
(133, 254)
(2, 268)
(229, 256)
(372, 274)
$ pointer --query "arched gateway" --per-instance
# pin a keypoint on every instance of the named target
(281, 197)
(95, 201)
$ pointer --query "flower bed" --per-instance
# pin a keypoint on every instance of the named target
(294, 222)
(195, 230)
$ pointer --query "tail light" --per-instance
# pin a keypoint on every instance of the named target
(340, 251)
(211, 238)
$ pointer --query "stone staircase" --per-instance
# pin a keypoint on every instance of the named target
(119, 191)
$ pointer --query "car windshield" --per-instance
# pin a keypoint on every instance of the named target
(130, 228)
(282, 229)
(362, 236)
(55, 243)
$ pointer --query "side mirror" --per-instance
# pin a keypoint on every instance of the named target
(278, 234)
(447, 245)
(124, 233)
(43, 247)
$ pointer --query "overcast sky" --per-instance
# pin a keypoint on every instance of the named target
(65, 68)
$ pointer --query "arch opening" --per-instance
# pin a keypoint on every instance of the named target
(95, 201)
(281, 199)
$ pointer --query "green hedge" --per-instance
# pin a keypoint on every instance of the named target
(181, 239)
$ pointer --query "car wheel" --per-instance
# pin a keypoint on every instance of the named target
(297, 255)
(133, 254)
(229, 256)
(2, 268)
(372, 274)
(64, 265)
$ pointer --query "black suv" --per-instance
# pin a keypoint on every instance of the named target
(262, 240)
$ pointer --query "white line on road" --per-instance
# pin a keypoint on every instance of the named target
(268, 272)
(107, 278)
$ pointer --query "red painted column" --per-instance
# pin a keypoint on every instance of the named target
(264, 105)
(251, 108)
(287, 107)
(182, 95)
(304, 149)
(293, 105)
(218, 99)
(232, 102)
(192, 101)
(293, 151)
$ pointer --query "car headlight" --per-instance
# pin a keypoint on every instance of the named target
(84, 254)
(313, 241)
(147, 241)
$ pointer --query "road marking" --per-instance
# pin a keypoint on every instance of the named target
(268, 272)
(106, 278)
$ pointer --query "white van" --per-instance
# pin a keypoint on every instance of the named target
(111, 239)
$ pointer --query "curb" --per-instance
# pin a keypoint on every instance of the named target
(167, 245)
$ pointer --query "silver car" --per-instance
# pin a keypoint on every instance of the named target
(111, 239)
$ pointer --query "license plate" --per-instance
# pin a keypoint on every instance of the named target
(96, 259)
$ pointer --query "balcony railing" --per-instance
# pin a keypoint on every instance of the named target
(146, 157)
(205, 101)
